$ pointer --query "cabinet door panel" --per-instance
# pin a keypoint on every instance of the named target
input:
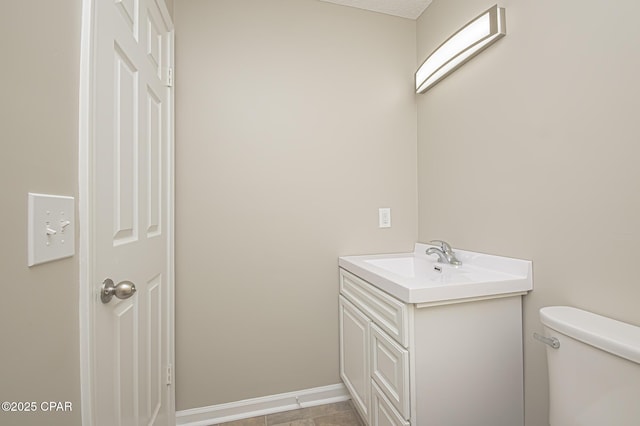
(390, 369)
(354, 356)
(382, 412)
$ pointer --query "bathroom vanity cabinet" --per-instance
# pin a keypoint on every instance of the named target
(439, 363)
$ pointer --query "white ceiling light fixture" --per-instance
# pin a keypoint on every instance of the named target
(467, 42)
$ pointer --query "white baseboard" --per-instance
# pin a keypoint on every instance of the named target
(262, 406)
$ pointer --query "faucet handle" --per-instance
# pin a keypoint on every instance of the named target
(444, 246)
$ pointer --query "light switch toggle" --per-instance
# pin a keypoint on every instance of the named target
(63, 225)
(50, 231)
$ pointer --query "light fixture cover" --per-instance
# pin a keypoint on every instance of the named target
(460, 47)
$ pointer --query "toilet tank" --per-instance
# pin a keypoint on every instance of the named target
(594, 376)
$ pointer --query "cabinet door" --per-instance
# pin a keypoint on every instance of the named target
(354, 355)
(390, 369)
(382, 412)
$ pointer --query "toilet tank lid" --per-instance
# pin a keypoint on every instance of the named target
(610, 335)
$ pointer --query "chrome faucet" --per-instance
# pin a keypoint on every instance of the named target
(445, 253)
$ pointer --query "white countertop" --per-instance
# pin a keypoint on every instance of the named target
(412, 277)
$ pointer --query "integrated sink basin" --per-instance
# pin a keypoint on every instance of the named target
(418, 278)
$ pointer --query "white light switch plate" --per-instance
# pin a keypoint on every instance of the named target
(51, 228)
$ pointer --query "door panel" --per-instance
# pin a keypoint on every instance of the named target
(126, 368)
(390, 369)
(382, 412)
(125, 149)
(154, 45)
(354, 357)
(130, 175)
(154, 347)
(154, 163)
(127, 9)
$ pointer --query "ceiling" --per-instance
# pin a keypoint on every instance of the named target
(404, 8)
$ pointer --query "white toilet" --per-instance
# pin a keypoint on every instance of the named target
(594, 374)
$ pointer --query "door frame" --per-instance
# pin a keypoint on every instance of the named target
(87, 288)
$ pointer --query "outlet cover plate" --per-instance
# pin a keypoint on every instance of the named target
(384, 217)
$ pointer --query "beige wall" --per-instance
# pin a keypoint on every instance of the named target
(169, 4)
(531, 150)
(39, 355)
(296, 121)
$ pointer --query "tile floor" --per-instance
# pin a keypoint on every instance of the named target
(338, 414)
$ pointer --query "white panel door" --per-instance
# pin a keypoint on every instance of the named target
(129, 210)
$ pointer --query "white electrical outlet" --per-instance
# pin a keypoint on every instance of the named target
(384, 217)
(51, 228)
